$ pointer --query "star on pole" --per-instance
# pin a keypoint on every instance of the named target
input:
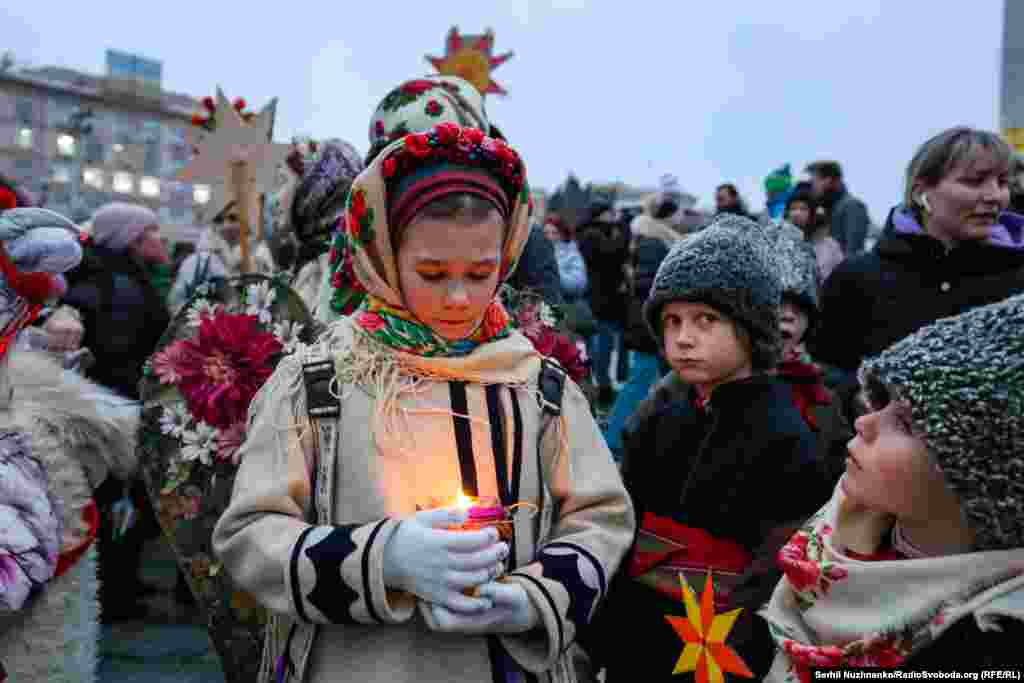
(704, 633)
(234, 140)
(471, 58)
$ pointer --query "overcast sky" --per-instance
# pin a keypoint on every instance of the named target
(708, 91)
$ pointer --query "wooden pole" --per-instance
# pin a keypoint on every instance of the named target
(240, 182)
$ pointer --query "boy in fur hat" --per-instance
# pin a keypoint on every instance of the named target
(60, 437)
(707, 472)
(928, 519)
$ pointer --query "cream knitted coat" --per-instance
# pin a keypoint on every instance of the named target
(316, 560)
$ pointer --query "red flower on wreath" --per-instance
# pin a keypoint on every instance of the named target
(448, 133)
(418, 145)
(417, 87)
(389, 167)
(222, 367)
(473, 136)
(505, 153)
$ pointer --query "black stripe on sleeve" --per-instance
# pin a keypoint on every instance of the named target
(585, 553)
(293, 571)
(367, 595)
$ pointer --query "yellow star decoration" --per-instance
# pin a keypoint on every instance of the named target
(472, 59)
(704, 633)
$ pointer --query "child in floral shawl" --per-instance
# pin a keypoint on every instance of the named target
(344, 527)
(928, 520)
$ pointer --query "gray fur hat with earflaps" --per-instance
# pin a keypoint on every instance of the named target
(964, 380)
(729, 266)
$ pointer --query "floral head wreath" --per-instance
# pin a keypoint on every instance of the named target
(445, 143)
(452, 143)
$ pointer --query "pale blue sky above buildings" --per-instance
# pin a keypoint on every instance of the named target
(707, 91)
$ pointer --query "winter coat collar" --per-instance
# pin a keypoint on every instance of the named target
(909, 245)
(1008, 233)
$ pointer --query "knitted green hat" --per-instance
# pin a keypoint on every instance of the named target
(778, 181)
(964, 379)
(729, 266)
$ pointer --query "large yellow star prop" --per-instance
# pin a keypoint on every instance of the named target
(704, 633)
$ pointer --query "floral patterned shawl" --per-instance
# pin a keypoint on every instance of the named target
(834, 611)
(363, 259)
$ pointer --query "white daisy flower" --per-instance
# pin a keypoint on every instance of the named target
(202, 308)
(287, 332)
(199, 443)
(174, 420)
(259, 300)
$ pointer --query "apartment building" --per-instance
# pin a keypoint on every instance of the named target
(79, 140)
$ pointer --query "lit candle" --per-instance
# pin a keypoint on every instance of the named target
(481, 514)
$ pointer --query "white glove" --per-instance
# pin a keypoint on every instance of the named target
(423, 558)
(513, 612)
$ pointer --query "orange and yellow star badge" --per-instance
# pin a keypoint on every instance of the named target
(704, 633)
(472, 59)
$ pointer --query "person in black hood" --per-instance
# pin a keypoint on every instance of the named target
(604, 243)
(950, 247)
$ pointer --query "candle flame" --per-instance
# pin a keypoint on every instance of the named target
(464, 502)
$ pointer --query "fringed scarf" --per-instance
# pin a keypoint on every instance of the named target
(842, 603)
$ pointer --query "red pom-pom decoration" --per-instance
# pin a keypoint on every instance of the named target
(8, 200)
(36, 287)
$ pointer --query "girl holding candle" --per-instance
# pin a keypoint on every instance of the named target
(334, 523)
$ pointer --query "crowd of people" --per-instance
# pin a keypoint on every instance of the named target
(819, 433)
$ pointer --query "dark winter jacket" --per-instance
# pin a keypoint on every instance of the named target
(537, 271)
(123, 315)
(754, 475)
(850, 222)
(647, 253)
(906, 282)
(605, 248)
